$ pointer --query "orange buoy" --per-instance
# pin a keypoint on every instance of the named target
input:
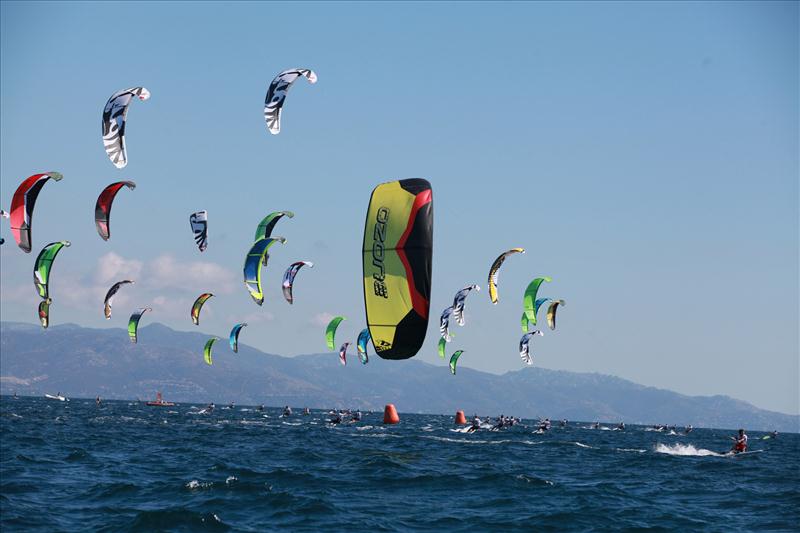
(390, 414)
(460, 418)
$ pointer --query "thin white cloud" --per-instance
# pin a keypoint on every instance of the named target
(21, 293)
(252, 318)
(171, 307)
(112, 268)
(166, 272)
(322, 319)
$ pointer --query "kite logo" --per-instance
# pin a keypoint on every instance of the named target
(378, 251)
(382, 345)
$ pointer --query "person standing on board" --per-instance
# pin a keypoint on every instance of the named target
(740, 442)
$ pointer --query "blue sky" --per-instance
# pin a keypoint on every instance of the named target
(644, 154)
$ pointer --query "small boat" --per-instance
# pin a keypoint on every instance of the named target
(159, 402)
(56, 397)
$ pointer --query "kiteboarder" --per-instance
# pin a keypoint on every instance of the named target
(287, 411)
(739, 442)
(476, 424)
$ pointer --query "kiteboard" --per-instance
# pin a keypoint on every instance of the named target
(731, 453)
(52, 397)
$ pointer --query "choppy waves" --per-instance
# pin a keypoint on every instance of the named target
(128, 467)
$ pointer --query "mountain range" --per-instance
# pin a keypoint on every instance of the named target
(85, 362)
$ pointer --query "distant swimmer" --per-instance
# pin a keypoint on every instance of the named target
(739, 442)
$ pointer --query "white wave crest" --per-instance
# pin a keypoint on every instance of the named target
(686, 450)
(194, 484)
(635, 450)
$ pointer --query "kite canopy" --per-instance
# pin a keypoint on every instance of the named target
(524, 322)
(22, 203)
(444, 324)
(276, 95)
(524, 350)
(458, 303)
(197, 305)
(234, 337)
(43, 265)
(252, 267)
(343, 353)
(538, 305)
(114, 117)
(361, 344)
(397, 254)
(44, 312)
(133, 323)
(442, 346)
(207, 350)
(330, 332)
(454, 360)
(102, 209)
(551, 313)
(529, 300)
(288, 278)
(494, 271)
(110, 296)
(199, 223)
(266, 226)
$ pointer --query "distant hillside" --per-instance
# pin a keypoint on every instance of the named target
(84, 362)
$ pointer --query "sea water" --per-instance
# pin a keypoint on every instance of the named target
(124, 466)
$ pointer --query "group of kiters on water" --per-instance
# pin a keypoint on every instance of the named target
(340, 416)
